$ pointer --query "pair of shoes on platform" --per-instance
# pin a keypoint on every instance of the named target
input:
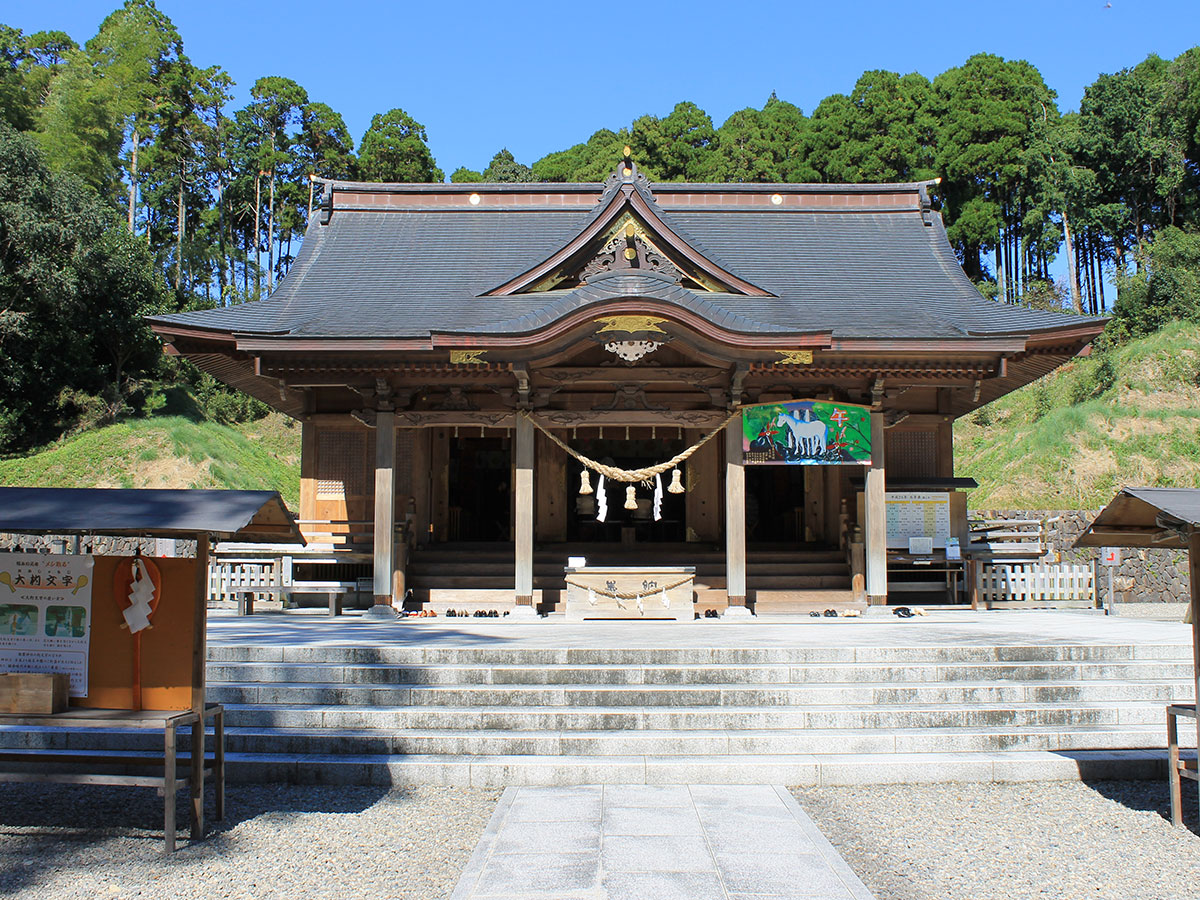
(828, 614)
(422, 614)
(711, 614)
(486, 614)
(903, 612)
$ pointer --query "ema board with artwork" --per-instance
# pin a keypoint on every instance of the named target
(806, 433)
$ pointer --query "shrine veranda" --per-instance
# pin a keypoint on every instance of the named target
(441, 344)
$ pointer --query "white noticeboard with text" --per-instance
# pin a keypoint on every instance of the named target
(917, 514)
(46, 615)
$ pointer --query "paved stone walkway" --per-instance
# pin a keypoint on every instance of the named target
(650, 842)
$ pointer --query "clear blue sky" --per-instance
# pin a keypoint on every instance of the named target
(537, 77)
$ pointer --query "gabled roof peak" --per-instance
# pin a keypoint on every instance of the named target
(628, 232)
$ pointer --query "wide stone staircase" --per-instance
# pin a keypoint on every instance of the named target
(491, 715)
(494, 715)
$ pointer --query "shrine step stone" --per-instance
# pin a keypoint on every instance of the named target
(492, 715)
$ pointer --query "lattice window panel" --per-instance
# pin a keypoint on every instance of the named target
(912, 454)
(341, 457)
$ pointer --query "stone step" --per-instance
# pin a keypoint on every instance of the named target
(608, 743)
(332, 693)
(690, 676)
(506, 656)
(628, 718)
(791, 769)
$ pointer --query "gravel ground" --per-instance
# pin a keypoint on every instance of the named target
(1063, 841)
(275, 842)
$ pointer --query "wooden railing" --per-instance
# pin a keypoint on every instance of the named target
(1035, 584)
(228, 579)
(1011, 538)
(266, 570)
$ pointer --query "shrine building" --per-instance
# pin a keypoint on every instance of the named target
(460, 354)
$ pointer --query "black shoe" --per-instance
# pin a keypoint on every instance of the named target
(830, 614)
(903, 612)
(815, 614)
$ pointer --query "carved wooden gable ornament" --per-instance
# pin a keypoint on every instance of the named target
(627, 235)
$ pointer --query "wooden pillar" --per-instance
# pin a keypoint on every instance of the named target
(199, 658)
(523, 458)
(385, 505)
(735, 517)
(1194, 578)
(876, 514)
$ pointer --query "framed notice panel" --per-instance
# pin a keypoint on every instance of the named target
(46, 615)
(914, 514)
(806, 433)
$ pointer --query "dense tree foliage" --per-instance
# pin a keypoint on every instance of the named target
(74, 286)
(138, 162)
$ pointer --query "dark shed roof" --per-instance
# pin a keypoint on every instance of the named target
(257, 516)
(1146, 517)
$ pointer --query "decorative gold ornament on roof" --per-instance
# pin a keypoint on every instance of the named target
(630, 324)
(467, 357)
(794, 357)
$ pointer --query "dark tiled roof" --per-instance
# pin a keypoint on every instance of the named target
(416, 272)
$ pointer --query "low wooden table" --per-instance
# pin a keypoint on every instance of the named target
(947, 572)
(1177, 768)
(662, 593)
(169, 722)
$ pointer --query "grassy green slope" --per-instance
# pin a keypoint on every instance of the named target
(169, 452)
(1129, 417)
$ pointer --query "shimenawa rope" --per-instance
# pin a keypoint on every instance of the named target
(630, 476)
(629, 595)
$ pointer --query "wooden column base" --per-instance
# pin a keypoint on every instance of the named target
(737, 601)
(524, 600)
(877, 600)
(383, 599)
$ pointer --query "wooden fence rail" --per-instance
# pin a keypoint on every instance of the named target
(1035, 584)
(228, 579)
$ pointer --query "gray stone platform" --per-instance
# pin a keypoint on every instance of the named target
(637, 842)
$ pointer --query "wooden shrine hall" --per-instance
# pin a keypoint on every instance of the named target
(460, 354)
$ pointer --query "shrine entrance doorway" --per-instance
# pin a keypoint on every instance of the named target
(640, 450)
(775, 504)
(480, 494)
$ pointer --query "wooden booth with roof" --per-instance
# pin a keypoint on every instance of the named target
(459, 354)
(1161, 519)
(91, 643)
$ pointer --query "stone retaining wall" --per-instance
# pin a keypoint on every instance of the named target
(1144, 576)
(99, 545)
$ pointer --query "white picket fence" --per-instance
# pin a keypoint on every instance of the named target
(230, 578)
(1036, 584)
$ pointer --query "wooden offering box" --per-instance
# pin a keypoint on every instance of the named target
(33, 693)
(662, 593)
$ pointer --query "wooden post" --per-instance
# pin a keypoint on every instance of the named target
(200, 624)
(876, 514)
(735, 519)
(199, 658)
(385, 505)
(523, 457)
(1194, 578)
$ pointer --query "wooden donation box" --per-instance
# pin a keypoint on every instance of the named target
(662, 593)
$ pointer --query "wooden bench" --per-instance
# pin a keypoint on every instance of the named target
(99, 763)
(1177, 768)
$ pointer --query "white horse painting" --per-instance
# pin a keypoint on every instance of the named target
(806, 437)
